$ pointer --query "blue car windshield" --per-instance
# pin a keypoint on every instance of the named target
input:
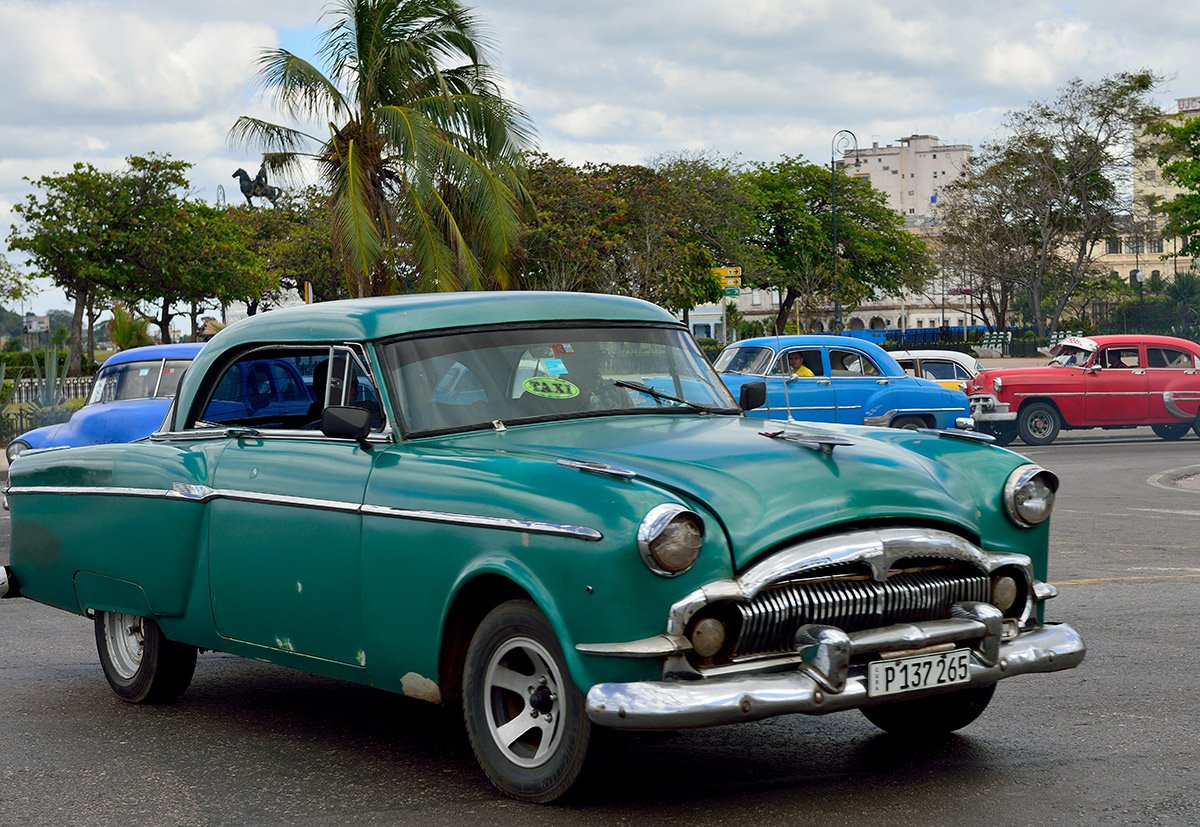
(473, 379)
(138, 380)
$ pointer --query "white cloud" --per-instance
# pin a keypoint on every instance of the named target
(603, 80)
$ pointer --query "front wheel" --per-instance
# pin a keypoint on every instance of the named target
(1004, 434)
(932, 716)
(141, 665)
(524, 717)
(1038, 423)
(1170, 431)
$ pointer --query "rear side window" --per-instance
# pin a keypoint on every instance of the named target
(1168, 357)
(851, 363)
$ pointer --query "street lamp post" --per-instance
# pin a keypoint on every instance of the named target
(843, 139)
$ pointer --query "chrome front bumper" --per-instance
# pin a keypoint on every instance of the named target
(813, 687)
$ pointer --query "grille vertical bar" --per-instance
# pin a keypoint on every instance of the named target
(769, 621)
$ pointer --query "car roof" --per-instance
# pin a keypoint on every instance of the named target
(953, 355)
(178, 350)
(1147, 339)
(386, 316)
(881, 356)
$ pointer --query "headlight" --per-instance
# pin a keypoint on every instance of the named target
(1029, 495)
(15, 449)
(669, 539)
(997, 384)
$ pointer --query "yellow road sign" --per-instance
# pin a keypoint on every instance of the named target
(728, 282)
(727, 272)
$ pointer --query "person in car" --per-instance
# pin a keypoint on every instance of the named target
(797, 366)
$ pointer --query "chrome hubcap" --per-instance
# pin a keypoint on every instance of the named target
(125, 640)
(522, 688)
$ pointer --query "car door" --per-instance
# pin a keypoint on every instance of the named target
(808, 398)
(856, 378)
(1115, 386)
(285, 526)
(1173, 384)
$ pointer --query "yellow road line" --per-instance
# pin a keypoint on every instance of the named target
(1091, 581)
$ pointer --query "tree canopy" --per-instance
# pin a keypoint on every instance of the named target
(420, 151)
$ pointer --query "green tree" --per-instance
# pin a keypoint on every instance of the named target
(423, 154)
(1042, 199)
(794, 231)
(1179, 157)
(127, 329)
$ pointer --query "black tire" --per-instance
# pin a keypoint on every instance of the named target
(932, 716)
(1171, 431)
(1004, 434)
(141, 665)
(515, 672)
(1038, 423)
(911, 423)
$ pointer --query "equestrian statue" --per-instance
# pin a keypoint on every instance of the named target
(257, 187)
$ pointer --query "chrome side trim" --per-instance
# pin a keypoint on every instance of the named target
(1172, 399)
(651, 647)
(202, 493)
(960, 433)
(884, 418)
(686, 704)
(503, 523)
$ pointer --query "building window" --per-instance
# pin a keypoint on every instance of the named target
(935, 155)
(1155, 245)
(911, 210)
(756, 297)
(1113, 245)
(920, 323)
(911, 192)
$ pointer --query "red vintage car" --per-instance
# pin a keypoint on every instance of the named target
(1099, 382)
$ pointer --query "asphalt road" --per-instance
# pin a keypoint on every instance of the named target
(1109, 743)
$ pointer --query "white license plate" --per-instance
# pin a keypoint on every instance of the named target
(890, 677)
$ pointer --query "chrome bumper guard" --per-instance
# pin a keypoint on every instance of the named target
(825, 681)
(988, 409)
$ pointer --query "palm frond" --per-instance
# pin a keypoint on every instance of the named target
(298, 87)
(355, 231)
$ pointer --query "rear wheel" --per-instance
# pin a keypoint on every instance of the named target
(911, 423)
(141, 665)
(1038, 423)
(932, 716)
(1170, 431)
(525, 719)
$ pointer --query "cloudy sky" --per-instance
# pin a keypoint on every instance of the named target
(602, 80)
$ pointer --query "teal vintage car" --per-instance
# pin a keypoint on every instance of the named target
(548, 507)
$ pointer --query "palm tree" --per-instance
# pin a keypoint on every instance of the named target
(127, 330)
(423, 157)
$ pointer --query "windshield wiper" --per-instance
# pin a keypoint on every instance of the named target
(666, 397)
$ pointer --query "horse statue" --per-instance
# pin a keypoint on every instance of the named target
(257, 187)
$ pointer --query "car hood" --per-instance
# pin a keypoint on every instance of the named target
(101, 423)
(766, 491)
(1043, 375)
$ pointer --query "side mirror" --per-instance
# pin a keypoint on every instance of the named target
(346, 422)
(752, 395)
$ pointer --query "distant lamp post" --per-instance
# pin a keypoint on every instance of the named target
(843, 139)
(1138, 276)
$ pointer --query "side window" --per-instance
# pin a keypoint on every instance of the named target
(802, 363)
(268, 389)
(1167, 357)
(1119, 357)
(851, 363)
(939, 371)
(908, 366)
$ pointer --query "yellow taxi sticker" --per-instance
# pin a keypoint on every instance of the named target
(550, 388)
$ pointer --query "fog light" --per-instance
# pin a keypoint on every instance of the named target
(708, 637)
(1004, 593)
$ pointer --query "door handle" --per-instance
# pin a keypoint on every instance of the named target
(883, 381)
(822, 381)
(1140, 372)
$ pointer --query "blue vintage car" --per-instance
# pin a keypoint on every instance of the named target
(843, 380)
(546, 510)
(129, 399)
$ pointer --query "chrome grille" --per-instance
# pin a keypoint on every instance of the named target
(769, 621)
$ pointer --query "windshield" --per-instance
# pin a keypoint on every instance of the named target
(1071, 356)
(470, 380)
(753, 360)
(138, 380)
